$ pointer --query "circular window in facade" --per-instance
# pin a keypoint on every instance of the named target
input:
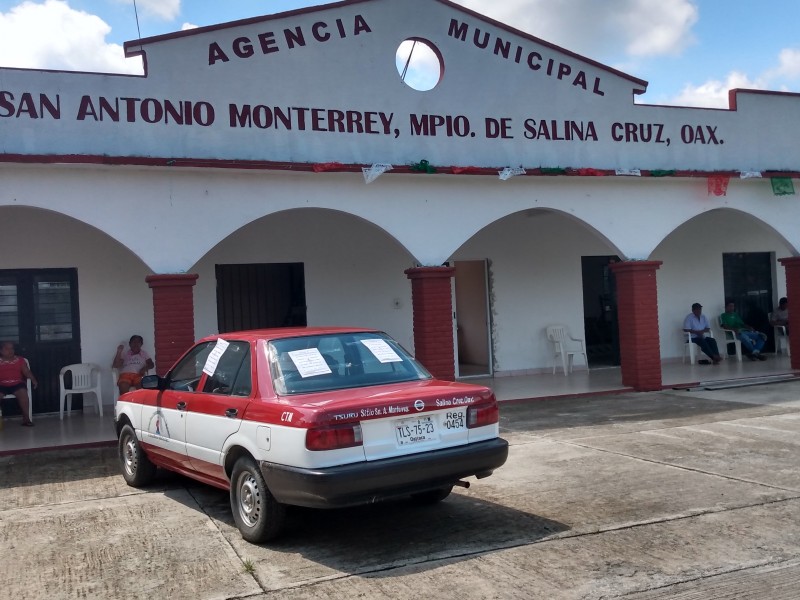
(419, 64)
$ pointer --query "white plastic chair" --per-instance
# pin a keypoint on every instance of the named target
(729, 337)
(30, 395)
(566, 347)
(781, 338)
(692, 349)
(114, 386)
(85, 379)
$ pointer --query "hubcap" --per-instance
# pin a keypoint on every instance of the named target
(249, 500)
(129, 457)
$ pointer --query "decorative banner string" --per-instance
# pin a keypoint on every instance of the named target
(375, 171)
(782, 186)
(510, 172)
(329, 166)
(718, 185)
(422, 167)
(749, 174)
(464, 170)
(629, 172)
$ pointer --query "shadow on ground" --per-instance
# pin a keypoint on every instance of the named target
(369, 539)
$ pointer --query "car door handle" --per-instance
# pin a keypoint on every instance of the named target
(181, 406)
(231, 413)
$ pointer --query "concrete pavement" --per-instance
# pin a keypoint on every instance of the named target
(673, 494)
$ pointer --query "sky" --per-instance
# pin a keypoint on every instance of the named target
(690, 51)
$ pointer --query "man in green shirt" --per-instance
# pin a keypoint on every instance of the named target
(752, 340)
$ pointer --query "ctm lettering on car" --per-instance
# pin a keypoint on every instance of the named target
(316, 417)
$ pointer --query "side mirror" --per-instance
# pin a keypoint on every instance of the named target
(153, 382)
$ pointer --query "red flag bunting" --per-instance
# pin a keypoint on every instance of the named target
(590, 172)
(461, 170)
(718, 185)
(320, 167)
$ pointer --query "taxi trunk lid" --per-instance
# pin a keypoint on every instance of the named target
(408, 418)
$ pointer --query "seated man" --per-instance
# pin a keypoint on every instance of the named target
(780, 317)
(697, 324)
(752, 340)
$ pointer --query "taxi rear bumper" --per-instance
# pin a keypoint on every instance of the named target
(375, 481)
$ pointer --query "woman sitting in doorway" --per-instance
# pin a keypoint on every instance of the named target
(14, 373)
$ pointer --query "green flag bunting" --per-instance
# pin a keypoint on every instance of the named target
(782, 186)
(423, 166)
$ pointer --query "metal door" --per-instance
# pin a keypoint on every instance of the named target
(39, 313)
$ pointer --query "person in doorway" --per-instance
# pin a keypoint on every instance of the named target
(132, 363)
(14, 373)
(697, 324)
(752, 340)
(780, 316)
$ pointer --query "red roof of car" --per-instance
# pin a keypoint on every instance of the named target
(282, 332)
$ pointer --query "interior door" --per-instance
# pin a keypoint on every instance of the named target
(600, 311)
(473, 322)
(748, 282)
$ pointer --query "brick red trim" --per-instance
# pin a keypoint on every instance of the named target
(637, 306)
(173, 317)
(791, 267)
(433, 319)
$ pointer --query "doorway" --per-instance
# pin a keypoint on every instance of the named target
(262, 295)
(39, 313)
(472, 319)
(600, 311)
(748, 282)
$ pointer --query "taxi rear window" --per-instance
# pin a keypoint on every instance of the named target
(318, 363)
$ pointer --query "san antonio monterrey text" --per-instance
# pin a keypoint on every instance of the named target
(153, 111)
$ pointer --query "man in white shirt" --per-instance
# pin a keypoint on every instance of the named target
(697, 324)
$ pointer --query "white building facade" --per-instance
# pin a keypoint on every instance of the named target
(224, 190)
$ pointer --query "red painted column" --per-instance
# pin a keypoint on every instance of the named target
(792, 267)
(433, 319)
(173, 312)
(637, 307)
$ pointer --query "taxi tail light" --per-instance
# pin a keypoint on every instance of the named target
(483, 414)
(334, 437)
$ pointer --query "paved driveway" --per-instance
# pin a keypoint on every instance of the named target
(662, 495)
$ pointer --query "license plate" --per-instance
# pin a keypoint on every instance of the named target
(416, 430)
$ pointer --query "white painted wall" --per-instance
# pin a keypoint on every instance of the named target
(692, 269)
(353, 270)
(115, 302)
(535, 264)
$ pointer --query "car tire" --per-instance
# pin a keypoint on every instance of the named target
(137, 470)
(257, 514)
(432, 496)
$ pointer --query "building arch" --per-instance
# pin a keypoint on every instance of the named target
(692, 269)
(353, 269)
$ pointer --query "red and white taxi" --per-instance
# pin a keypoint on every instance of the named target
(316, 417)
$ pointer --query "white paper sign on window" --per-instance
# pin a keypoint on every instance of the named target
(213, 359)
(382, 351)
(309, 362)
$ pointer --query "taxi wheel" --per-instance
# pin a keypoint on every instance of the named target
(137, 469)
(432, 496)
(258, 515)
